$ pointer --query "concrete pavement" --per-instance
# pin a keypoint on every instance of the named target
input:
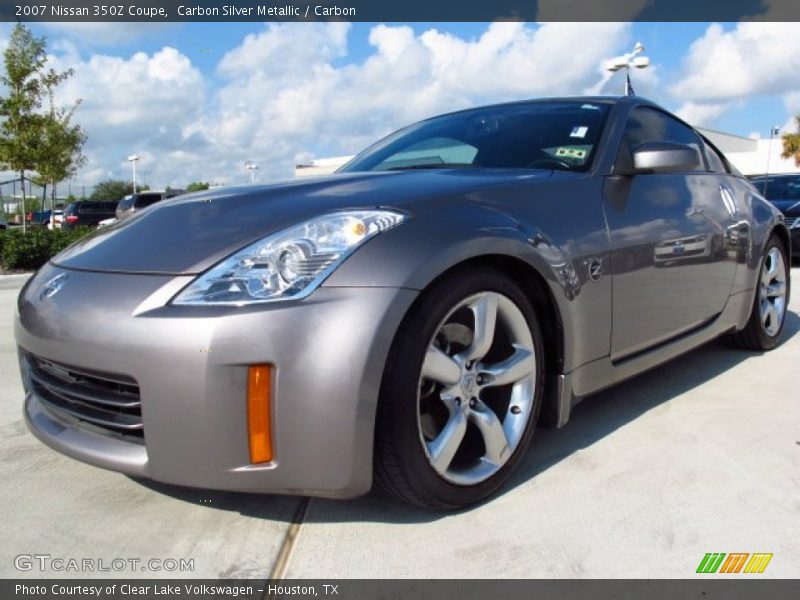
(700, 455)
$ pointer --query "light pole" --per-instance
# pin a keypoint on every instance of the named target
(132, 159)
(626, 61)
(252, 167)
(773, 133)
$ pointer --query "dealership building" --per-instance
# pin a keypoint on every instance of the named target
(750, 156)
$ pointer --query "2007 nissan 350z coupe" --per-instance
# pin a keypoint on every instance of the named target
(408, 319)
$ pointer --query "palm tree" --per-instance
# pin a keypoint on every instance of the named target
(791, 144)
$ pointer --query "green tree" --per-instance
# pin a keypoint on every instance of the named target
(791, 144)
(26, 80)
(60, 154)
(197, 186)
(114, 190)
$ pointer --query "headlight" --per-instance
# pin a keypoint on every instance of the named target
(290, 263)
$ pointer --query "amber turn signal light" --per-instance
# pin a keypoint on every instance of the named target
(259, 387)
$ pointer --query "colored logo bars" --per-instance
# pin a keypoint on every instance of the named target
(716, 562)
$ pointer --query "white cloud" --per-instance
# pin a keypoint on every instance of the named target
(286, 93)
(105, 34)
(141, 104)
(751, 59)
(699, 114)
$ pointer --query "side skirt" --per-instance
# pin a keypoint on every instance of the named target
(603, 373)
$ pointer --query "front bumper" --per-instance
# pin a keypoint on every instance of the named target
(190, 364)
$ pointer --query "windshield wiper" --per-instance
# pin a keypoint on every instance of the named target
(431, 166)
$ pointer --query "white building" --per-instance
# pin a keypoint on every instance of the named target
(750, 156)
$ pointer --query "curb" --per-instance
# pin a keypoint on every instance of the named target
(13, 282)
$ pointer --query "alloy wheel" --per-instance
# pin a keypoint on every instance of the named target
(772, 292)
(476, 389)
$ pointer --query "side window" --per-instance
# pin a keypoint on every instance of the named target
(715, 160)
(647, 124)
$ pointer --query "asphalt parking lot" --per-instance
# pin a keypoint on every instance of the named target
(700, 455)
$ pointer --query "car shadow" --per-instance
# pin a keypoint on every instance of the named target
(593, 419)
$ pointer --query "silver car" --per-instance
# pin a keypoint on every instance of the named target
(408, 320)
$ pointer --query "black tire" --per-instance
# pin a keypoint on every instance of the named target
(401, 465)
(754, 336)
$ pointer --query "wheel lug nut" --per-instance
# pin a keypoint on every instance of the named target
(458, 401)
(515, 410)
(473, 403)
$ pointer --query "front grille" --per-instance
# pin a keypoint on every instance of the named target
(792, 222)
(103, 402)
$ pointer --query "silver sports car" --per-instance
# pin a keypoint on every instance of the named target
(408, 320)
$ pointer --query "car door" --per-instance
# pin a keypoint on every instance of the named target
(671, 269)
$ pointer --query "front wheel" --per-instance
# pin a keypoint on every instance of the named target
(461, 392)
(767, 317)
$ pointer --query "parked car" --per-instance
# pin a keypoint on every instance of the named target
(3, 224)
(56, 220)
(407, 320)
(38, 217)
(784, 192)
(133, 202)
(87, 213)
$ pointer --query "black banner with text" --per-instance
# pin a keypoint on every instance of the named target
(406, 10)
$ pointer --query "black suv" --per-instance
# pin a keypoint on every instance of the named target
(80, 214)
(784, 192)
(133, 202)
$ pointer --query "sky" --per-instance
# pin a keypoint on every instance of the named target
(196, 100)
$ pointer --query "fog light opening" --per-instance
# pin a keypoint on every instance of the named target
(259, 387)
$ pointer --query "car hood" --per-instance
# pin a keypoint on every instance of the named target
(189, 234)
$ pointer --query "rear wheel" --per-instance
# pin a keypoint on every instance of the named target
(461, 392)
(765, 326)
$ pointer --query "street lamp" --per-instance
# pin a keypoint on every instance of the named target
(132, 159)
(252, 167)
(626, 61)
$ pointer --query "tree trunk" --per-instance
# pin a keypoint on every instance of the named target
(53, 205)
(24, 213)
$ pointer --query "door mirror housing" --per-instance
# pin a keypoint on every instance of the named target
(664, 157)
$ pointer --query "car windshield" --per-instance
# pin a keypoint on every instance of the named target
(547, 135)
(779, 188)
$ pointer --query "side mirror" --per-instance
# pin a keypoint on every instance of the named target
(664, 157)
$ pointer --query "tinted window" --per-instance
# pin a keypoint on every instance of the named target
(71, 209)
(548, 135)
(779, 188)
(716, 163)
(93, 207)
(647, 124)
(125, 203)
(143, 200)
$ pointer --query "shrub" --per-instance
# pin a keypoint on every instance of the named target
(29, 251)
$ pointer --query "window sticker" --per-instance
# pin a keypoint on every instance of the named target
(579, 131)
(567, 152)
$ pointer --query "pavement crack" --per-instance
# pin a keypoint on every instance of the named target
(284, 553)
